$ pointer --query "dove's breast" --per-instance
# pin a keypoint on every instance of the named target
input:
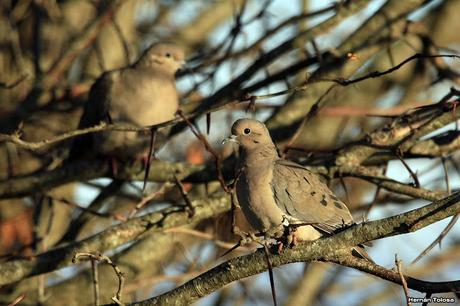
(256, 199)
(147, 99)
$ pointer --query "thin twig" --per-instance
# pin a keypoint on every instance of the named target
(189, 206)
(145, 200)
(99, 257)
(13, 84)
(207, 146)
(446, 175)
(18, 300)
(95, 281)
(102, 126)
(234, 247)
(99, 56)
(371, 205)
(412, 173)
(403, 280)
(122, 37)
(449, 226)
(35, 146)
(84, 209)
(349, 111)
(208, 123)
(203, 235)
(343, 81)
(438, 240)
(345, 189)
(270, 273)
(376, 74)
(153, 134)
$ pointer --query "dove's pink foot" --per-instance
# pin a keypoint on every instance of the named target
(289, 238)
(144, 159)
(293, 240)
(280, 247)
(113, 165)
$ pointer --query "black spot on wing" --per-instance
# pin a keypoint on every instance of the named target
(279, 200)
(275, 195)
(287, 192)
(287, 203)
(323, 200)
(306, 180)
(313, 193)
(338, 205)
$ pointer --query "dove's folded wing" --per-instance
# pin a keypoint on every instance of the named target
(300, 194)
(95, 111)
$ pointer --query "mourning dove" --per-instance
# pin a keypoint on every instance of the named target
(141, 94)
(274, 192)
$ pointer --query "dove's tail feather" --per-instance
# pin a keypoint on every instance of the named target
(360, 252)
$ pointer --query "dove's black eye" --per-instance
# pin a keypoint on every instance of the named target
(168, 54)
(247, 131)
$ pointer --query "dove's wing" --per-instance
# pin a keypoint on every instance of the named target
(96, 110)
(301, 195)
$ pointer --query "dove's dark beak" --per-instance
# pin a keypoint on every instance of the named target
(183, 67)
(232, 138)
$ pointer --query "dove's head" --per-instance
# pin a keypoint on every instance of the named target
(250, 135)
(167, 57)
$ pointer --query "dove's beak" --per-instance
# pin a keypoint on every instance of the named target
(232, 138)
(182, 67)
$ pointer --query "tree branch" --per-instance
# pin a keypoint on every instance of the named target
(87, 170)
(18, 269)
(334, 248)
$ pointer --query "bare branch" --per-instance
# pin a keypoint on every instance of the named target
(335, 248)
(18, 269)
(99, 257)
(13, 84)
(377, 74)
(403, 280)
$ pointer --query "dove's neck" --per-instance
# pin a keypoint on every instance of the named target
(167, 71)
(259, 157)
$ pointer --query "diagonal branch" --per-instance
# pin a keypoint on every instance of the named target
(334, 248)
(377, 74)
(115, 236)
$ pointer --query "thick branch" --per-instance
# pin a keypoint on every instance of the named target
(87, 170)
(331, 249)
(111, 238)
(370, 174)
(403, 132)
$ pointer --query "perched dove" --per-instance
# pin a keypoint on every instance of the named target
(273, 192)
(141, 94)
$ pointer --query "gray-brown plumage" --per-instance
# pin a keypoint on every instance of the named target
(272, 191)
(141, 94)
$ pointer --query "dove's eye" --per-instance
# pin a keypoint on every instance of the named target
(168, 54)
(247, 131)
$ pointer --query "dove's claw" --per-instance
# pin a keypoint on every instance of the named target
(280, 247)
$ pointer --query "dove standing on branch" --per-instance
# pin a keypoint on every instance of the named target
(142, 94)
(274, 193)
